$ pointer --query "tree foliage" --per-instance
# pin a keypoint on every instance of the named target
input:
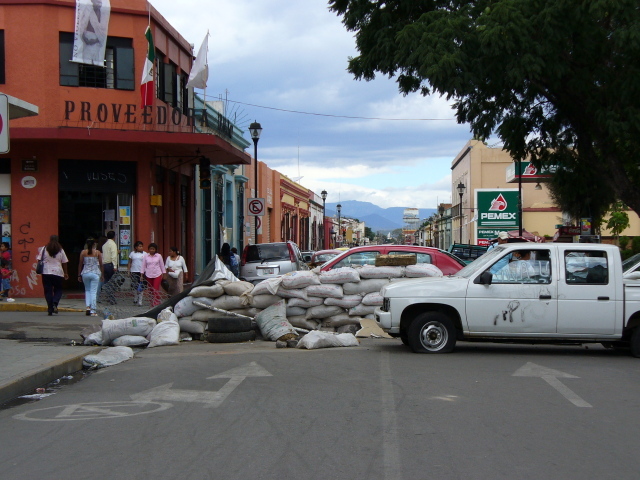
(618, 219)
(556, 80)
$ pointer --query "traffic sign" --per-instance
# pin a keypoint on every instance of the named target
(256, 207)
(4, 124)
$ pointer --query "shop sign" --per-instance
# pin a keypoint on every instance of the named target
(497, 212)
(528, 172)
(128, 113)
(569, 230)
(97, 176)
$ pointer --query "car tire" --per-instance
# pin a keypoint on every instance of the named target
(432, 332)
(635, 342)
(235, 337)
(229, 325)
(404, 337)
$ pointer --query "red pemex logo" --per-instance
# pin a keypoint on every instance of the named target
(498, 204)
(530, 170)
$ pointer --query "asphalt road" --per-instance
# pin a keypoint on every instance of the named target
(376, 411)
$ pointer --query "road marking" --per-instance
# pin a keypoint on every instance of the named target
(551, 377)
(390, 446)
(210, 399)
(92, 411)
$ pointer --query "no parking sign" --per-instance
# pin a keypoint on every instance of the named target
(256, 207)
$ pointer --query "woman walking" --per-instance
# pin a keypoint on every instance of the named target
(55, 269)
(177, 271)
(90, 272)
(154, 271)
(135, 269)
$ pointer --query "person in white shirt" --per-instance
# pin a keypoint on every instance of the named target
(110, 263)
(176, 271)
(135, 271)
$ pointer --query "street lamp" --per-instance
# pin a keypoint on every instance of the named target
(323, 194)
(519, 197)
(339, 208)
(441, 228)
(255, 129)
(461, 189)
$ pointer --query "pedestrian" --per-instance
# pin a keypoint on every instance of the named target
(229, 259)
(176, 270)
(55, 270)
(154, 271)
(110, 263)
(5, 272)
(90, 272)
(234, 250)
(5, 252)
(135, 268)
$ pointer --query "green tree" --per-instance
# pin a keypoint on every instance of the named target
(369, 233)
(618, 219)
(555, 80)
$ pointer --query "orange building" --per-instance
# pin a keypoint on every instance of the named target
(94, 159)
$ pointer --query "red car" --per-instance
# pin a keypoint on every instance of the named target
(358, 256)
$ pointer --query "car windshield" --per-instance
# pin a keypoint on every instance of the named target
(267, 251)
(480, 263)
(630, 262)
(325, 257)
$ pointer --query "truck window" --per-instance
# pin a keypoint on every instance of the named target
(358, 260)
(586, 267)
(421, 257)
(526, 266)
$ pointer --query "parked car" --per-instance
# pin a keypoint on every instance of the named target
(269, 260)
(323, 256)
(366, 255)
(306, 256)
(466, 252)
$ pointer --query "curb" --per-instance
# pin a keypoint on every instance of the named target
(31, 307)
(38, 377)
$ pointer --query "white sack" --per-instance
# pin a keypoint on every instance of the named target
(374, 299)
(227, 302)
(187, 324)
(369, 271)
(107, 357)
(325, 291)
(318, 339)
(300, 321)
(205, 315)
(94, 338)
(323, 311)
(295, 311)
(273, 322)
(185, 307)
(362, 310)
(310, 302)
(112, 329)
(364, 286)
(248, 312)
(214, 291)
(422, 270)
(348, 301)
(130, 341)
(264, 301)
(340, 320)
(292, 293)
(166, 315)
(236, 289)
(340, 275)
(300, 279)
(269, 286)
(165, 333)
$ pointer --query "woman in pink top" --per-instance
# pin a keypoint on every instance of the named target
(154, 271)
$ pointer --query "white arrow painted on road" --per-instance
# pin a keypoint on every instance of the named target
(551, 377)
(211, 399)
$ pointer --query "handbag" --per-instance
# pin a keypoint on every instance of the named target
(40, 265)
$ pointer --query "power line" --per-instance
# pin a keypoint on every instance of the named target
(344, 116)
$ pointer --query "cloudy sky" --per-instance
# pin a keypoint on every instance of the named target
(292, 56)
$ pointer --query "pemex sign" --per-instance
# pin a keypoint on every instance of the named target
(497, 212)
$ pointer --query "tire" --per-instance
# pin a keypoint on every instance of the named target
(229, 325)
(635, 342)
(235, 337)
(432, 332)
(404, 337)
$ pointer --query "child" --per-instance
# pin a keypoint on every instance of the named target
(135, 267)
(5, 273)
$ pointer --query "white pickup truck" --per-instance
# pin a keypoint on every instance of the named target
(521, 292)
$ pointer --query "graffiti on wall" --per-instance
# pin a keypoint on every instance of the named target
(24, 242)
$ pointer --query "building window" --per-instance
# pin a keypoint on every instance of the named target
(158, 72)
(118, 72)
(2, 78)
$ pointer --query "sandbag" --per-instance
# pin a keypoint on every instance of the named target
(340, 320)
(205, 315)
(292, 293)
(185, 307)
(94, 338)
(236, 289)
(214, 291)
(323, 311)
(165, 333)
(340, 275)
(373, 298)
(422, 270)
(130, 341)
(166, 315)
(248, 312)
(368, 271)
(112, 329)
(228, 302)
(108, 357)
(300, 279)
(319, 339)
(295, 311)
(364, 286)
(273, 322)
(325, 291)
(352, 329)
(348, 301)
(269, 286)
(362, 310)
(264, 301)
(187, 324)
(310, 302)
(300, 321)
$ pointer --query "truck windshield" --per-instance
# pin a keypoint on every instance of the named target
(481, 263)
(630, 262)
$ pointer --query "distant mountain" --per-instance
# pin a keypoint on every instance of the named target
(375, 217)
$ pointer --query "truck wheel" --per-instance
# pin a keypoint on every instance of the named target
(404, 337)
(432, 332)
(635, 342)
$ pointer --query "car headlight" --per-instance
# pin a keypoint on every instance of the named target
(385, 304)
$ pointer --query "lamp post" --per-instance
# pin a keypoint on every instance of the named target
(339, 208)
(519, 197)
(461, 189)
(323, 194)
(256, 129)
(441, 229)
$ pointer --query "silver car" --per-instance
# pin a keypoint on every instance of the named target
(268, 260)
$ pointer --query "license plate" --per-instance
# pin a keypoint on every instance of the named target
(267, 271)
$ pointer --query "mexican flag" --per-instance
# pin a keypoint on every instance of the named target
(147, 86)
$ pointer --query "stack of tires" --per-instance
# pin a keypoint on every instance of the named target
(230, 330)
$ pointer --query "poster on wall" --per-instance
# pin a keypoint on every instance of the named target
(125, 215)
(92, 25)
(125, 236)
(124, 255)
(6, 233)
(497, 212)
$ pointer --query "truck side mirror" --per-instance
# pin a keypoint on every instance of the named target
(485, 278)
